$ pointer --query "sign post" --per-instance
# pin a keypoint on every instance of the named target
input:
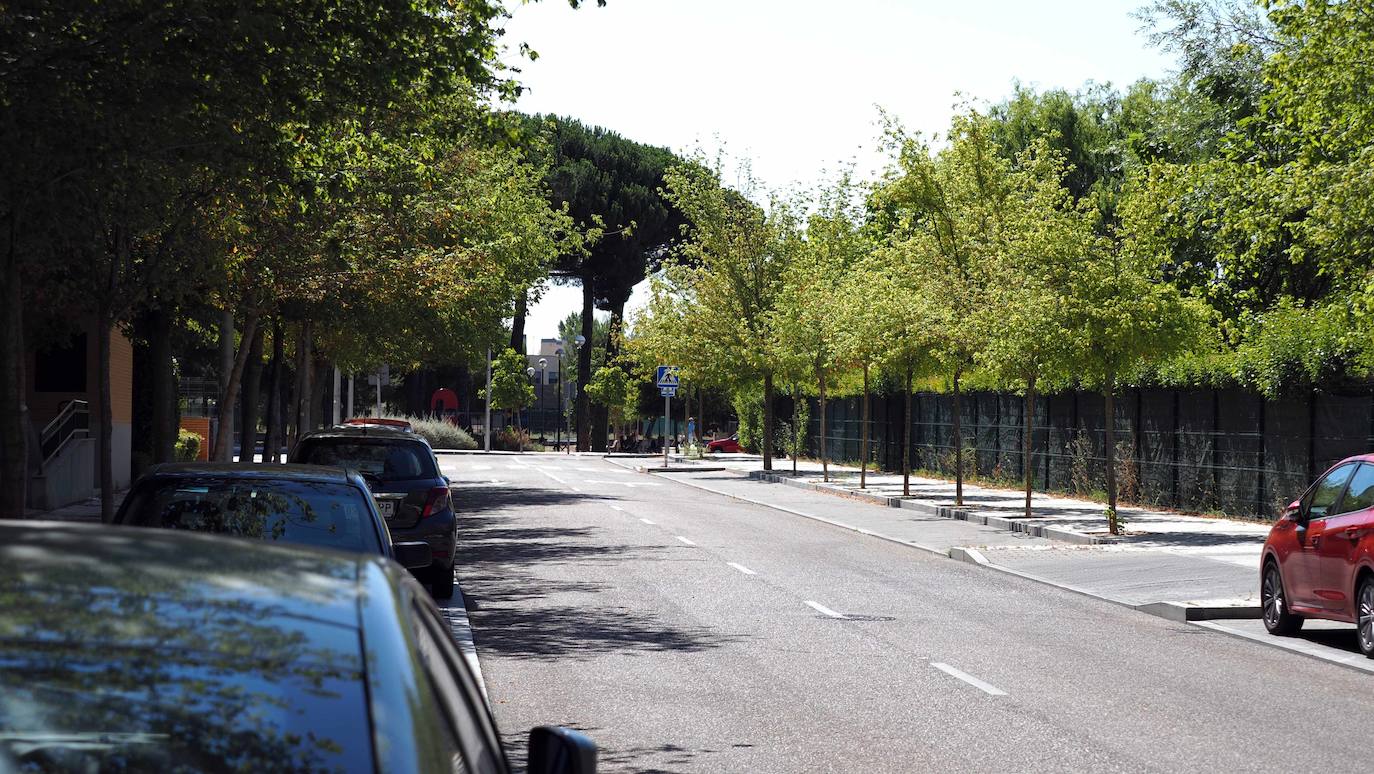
(667, 386)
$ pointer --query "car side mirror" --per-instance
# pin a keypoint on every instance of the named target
(413, 555)
(560, 751)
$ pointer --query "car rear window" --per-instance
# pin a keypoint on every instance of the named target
(257, 697)
(387, 460)
(316, 513)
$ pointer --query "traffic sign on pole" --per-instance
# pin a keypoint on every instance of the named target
(668, 392)
(667, 376)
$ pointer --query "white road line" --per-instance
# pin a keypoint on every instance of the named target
(576, 489)
(685, 540)
(742, 568)
(823, 610)
(617, 508)
(646, 521)
(987, 688)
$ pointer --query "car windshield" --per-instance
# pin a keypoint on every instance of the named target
(387, 460)
(316, 513)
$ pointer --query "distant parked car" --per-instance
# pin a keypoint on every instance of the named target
(410, 492)
(303, 504)
(152, 650)
(728, 444)
(1318, 561)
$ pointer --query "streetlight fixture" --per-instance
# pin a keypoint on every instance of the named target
(543, 404)
(578, 341)
(558, 422)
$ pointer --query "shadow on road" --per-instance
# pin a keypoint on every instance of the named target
(478, 499)
(517, 610)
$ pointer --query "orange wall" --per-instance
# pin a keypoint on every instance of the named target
(201, 427)
(121, 378)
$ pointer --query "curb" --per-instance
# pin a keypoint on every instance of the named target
(1353, 661)
(678, 469)
(942, 511)
(455, 612)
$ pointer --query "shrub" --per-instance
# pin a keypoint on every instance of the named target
(188, 445)
(748, 407)
(440, 433)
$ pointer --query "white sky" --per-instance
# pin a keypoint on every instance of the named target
(795, 85)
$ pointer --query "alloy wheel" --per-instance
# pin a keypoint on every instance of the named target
(1271, 597)
(1366, 616)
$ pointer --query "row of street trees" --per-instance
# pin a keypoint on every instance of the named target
(322, 182)
(1209, 229)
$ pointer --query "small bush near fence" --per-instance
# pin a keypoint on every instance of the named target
(188, 446)
(440, 433)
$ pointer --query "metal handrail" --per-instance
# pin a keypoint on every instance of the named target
(74, 418)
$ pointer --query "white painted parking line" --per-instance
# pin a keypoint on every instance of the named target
(987, 688)
(823, 610)
(742, 568)
(685, 540)
(646, 521)
(617, 508)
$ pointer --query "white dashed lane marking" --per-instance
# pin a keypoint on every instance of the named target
(646, 521)
(822, 609)
(742, 568)
(685, 540)
(987, 688)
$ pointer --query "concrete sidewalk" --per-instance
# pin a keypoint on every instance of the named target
(87, 510)
(1169, 565)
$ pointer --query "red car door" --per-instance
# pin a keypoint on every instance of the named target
(1300, 571)
(1333, 571)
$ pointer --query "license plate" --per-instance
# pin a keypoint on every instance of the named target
(387, 508)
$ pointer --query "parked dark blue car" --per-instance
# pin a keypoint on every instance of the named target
(411, 494)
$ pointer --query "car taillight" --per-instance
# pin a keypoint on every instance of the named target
(437, 500)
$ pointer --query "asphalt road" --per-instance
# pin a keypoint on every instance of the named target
(689, 632)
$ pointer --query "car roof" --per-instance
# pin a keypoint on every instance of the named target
(254, 470)
(207, 572)
(371, 432)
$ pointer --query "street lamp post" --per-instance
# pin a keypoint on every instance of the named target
(543, 404)
(578, 341)
(558, 423)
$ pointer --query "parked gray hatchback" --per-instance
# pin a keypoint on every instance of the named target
(135, 650)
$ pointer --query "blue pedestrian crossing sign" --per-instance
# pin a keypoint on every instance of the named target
(667, 376)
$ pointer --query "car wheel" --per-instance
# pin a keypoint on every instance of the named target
(1364, 619)
(1278, 619)
(442, 584)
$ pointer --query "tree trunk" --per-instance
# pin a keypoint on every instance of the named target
(252, 391)
(14, 412)
(163, 379)
(517, 323)
(825, 461)
(863, 447)
(319, 378)
(906, 438)
(768, 421)
(225, 446)
(1027, 466)
(796, 417)
(222, 452)
(106, 450)
(301, 394)
(584, 371)
(958, 444)
(273, 439)
(1108, 393)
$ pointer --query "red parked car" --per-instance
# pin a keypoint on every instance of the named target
(729, 444)
(1318, 561)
